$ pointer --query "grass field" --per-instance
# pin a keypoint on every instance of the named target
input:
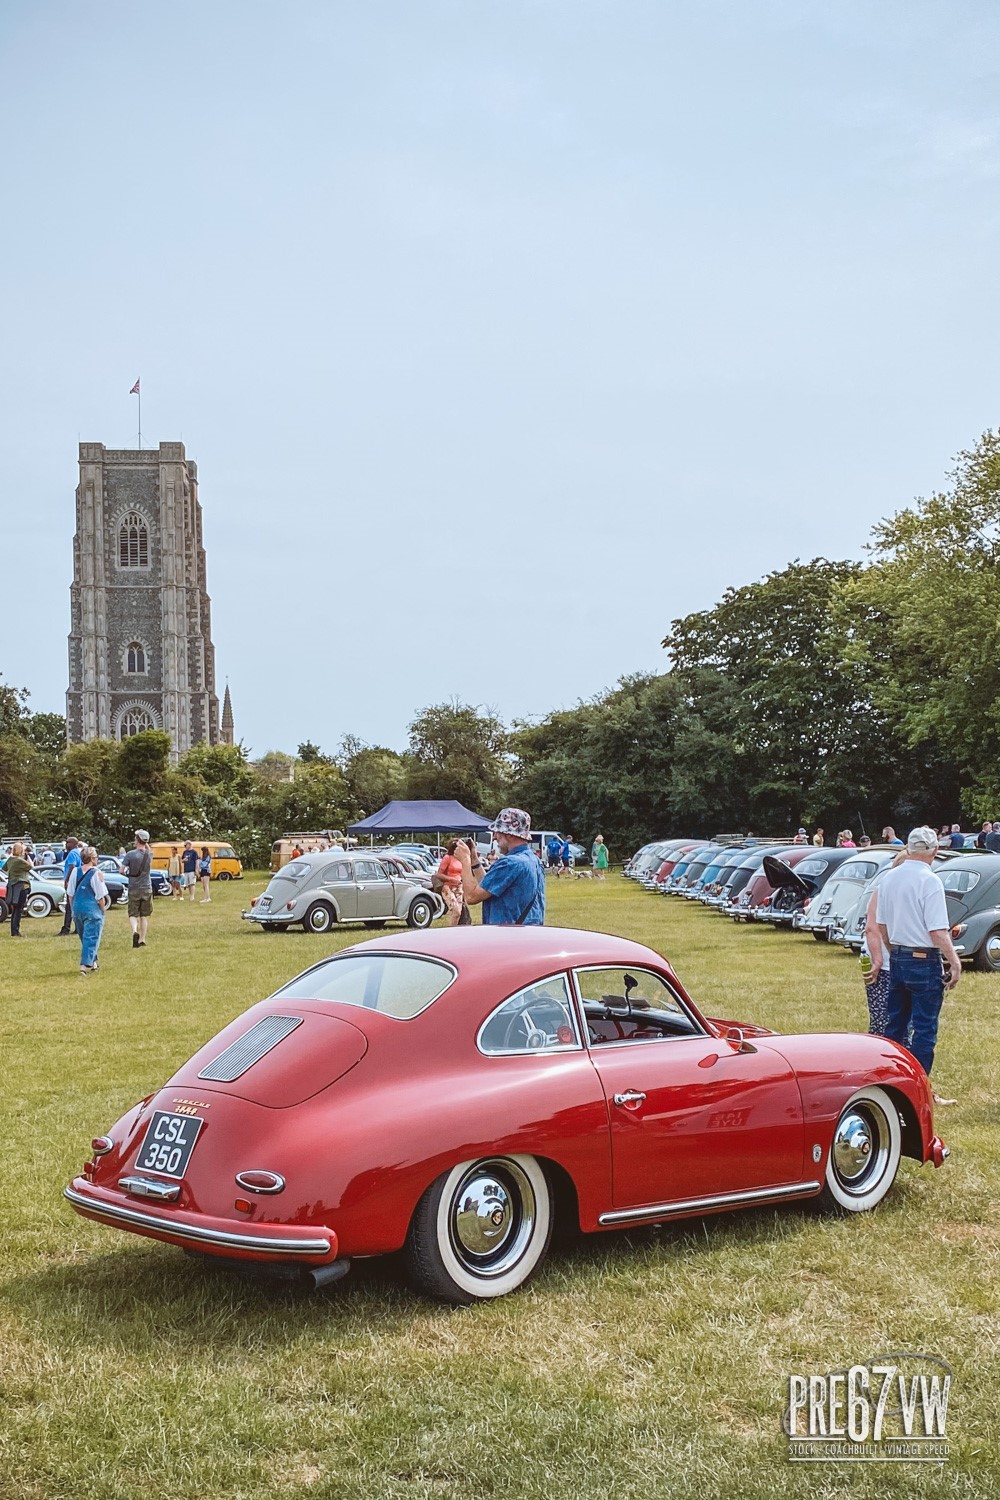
(646, 1364)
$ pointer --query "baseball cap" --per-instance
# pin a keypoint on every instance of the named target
(922, 840)
(513, 821)
(142, 835)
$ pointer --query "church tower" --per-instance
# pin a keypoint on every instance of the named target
(228, 731)
(140, 645)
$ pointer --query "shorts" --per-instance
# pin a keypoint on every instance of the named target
(187, 878)
(140, 906)
(452, 897)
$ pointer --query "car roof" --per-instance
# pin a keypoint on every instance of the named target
(537, 948)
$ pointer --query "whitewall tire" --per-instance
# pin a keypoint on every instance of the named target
(864, 1153)
(481, 1230)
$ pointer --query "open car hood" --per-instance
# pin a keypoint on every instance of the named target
(782, 876)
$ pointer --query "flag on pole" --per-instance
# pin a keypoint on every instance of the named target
(135, 389)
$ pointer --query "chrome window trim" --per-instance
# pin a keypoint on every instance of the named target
(600, 1047)
(560, 1047)
(354, 952)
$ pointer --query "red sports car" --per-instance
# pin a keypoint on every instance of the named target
(451, 1093)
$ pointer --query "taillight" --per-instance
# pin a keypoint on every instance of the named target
(101, 1145)
(261, 1182)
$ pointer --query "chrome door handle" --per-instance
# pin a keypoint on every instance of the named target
(629, 1099)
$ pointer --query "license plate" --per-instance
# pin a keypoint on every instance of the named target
(168, 1143)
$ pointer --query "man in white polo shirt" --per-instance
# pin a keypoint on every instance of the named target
(912, 916)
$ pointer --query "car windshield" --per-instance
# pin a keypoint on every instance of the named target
(396, 984)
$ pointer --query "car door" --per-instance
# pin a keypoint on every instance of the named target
(375, 889)
(691, 1116)
(339, 880)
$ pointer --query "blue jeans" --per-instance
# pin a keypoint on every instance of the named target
(916, 992)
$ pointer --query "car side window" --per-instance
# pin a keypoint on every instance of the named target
(630, 1005)
(336, 873)
(363, 870)
(537, 1019)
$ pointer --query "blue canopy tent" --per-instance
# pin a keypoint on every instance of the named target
(421, 817)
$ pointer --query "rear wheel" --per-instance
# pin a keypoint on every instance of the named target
(319, 918)
(420, 914)
(864, 1153)
(224, 875)
(988, 957)
(40, 905)
(481, 1230)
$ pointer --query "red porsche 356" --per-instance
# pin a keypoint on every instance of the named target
(451, 1093)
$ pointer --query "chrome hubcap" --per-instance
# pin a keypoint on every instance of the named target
(491, 1217)
(993, 949)
(860, 1147)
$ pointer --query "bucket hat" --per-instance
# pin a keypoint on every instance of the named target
(512, 821)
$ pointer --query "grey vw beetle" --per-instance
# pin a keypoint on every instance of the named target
(320, 890)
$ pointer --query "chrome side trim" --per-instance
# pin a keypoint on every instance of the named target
(720, 1200)
(198, 1235)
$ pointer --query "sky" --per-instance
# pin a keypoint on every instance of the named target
(502, 332)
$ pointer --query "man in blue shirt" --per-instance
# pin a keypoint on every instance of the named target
(512, 890)
(71, 862)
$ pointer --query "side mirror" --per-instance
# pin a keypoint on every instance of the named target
(738, 1042)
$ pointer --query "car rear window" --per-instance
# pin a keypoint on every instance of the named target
(959, 882)
(295, 870)
(812, 866)
(860, 870)
(400, 985)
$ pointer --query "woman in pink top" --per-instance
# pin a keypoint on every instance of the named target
(449, 872)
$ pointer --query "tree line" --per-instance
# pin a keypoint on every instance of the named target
(837, 693)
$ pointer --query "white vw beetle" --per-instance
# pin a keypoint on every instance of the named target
(320, 890)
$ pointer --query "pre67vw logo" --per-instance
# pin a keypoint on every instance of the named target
(893, 1409)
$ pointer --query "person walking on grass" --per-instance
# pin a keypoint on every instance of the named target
(71, 862)
(599, 857)
(512, 890)
(189, 864)
(205, 872)
(175, 874)
(913, 923)
(137, 864)
(18, 874)
(89, 895)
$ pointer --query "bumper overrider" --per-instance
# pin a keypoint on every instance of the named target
(306, 1246)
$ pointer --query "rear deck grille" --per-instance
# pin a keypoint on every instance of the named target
(249, 1048)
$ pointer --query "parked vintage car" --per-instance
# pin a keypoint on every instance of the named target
(758, 889)
(792, 888)
(972, 887)
(649, 858)
(345, 1116)
(320, 890)
(47, 893)
(738, 876)
(837, 902)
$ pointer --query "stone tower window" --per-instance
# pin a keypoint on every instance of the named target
(133, 721)
(135, 658)
(133, 542)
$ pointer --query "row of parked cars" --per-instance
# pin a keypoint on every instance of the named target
(821, 891)
(48, 893)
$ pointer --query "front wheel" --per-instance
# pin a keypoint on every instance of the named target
(481, 1230)
(421, 913)
(224, 875)
(40, 905)
(319, 918)
(864, 1153)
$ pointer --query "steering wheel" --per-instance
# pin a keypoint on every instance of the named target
(523, 1032)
